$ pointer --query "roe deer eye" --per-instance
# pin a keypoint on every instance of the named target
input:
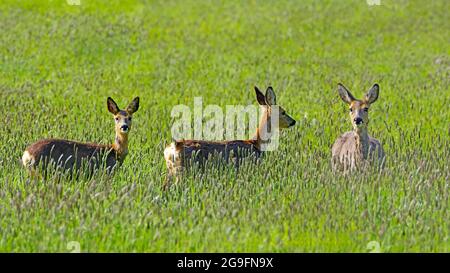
(129, 118)
(117, 119)
(351, 110)
(366, 109)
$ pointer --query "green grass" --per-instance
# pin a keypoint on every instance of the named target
(59, 63)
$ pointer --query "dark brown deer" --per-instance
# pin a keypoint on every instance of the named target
(180, 153)
(71, 155)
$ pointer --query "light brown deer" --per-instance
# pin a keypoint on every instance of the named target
(352, 149)
(181, 153)
(72, 155)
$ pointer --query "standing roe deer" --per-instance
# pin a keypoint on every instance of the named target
(71, 155)
(181, 153)
(353, 148)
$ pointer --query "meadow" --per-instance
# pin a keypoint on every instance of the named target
(59, 63)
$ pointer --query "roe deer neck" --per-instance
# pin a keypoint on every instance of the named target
(362, 141)
(264, 130)
(120, 145)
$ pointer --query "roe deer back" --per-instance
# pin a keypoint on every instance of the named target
(353, 148)
(71, 155)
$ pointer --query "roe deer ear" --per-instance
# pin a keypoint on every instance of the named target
(271, 99)
(112, 106)
(345, 95)
(260, 97)
(133, 106)
(372, 94)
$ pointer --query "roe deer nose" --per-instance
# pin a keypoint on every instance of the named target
(358, 121)
(124, 128)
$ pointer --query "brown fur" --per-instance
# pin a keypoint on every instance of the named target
(71, 155)
(352, 149)
(229, 150)
(182, 153)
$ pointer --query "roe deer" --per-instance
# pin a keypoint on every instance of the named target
(71, 155)
(181, 153)
(353, 148)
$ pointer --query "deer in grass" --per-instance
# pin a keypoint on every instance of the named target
(356, 147)
(71, 155)
(181, 153)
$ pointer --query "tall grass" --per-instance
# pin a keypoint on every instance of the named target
(59, 63)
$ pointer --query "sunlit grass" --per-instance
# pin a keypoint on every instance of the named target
(59, 63)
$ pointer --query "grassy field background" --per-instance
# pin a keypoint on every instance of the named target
(59, 63)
